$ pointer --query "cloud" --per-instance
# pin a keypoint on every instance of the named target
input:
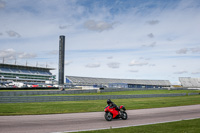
(182, 51)
(62, 27)
(12, 33)
(195, 50)
(98, 25)
(150, 35)
(181, 72)
(186, 50)
(137, 63)
(68, 62)
(153, 44)
(8, 53)
(2, 4)
(11, 54)
(152, 65)
(133, 71)
(113, 65)
(53, 52)
(1, 34)
(26, 55)
(153, 22)
(142, 58)
(195, 73)
(110, 57)
(93, 65)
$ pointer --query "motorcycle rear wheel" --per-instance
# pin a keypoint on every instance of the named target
(108, 116)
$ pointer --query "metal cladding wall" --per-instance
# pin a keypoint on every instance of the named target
(61, 60)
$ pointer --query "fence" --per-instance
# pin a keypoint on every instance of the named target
(23, 99)
(26, 93)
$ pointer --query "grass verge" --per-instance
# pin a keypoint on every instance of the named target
(94, 105)
(184, 126)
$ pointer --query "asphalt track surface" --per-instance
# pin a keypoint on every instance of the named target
(58, 123)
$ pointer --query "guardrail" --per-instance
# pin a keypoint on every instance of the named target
(26, 93)
(189, 94)
(25, 99)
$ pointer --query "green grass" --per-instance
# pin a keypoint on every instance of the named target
(185, 126)
(93, 105)
(131, 92)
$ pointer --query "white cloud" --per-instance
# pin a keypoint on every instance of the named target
(93, 65)
(195, 50)
(153, 44)
(11, 54)
(110, 57)
(68, 62)
(26, 55)
(2, 4)
(195, 72)
(62, 27)
(53, 52)
(133, 71)
(12, 33)
(150, 35)
(137, 63)
(152, 65)
(98, 25)
(181, 72)
(182, 51)
(153, 22)
(113, 65)
(186, 50)
(8, 53)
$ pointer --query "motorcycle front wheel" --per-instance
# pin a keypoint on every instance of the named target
(124, 116)
(108, 116)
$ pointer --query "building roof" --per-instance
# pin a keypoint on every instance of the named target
(90, 80)
(190, 82)
(25, 67)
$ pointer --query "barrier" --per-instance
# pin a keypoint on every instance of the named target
(25, 99)
(189, 94)
(26, 93)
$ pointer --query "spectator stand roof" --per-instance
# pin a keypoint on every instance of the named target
(190, 82)
(24, 67)
(92, 81)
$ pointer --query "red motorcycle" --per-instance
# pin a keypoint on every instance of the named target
(112, 113)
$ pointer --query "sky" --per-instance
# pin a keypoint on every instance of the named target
(128, 39)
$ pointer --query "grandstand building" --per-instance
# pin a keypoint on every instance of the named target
(25, 74)
(116, 83)
(189, 82)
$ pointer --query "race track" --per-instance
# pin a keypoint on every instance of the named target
(95, 120)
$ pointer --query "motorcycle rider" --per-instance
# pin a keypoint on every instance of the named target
(112, 105)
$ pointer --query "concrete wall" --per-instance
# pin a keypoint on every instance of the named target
(23, 99)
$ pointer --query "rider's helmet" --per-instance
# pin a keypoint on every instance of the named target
(109, 101)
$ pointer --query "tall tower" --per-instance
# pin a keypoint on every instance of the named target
(61, 60)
